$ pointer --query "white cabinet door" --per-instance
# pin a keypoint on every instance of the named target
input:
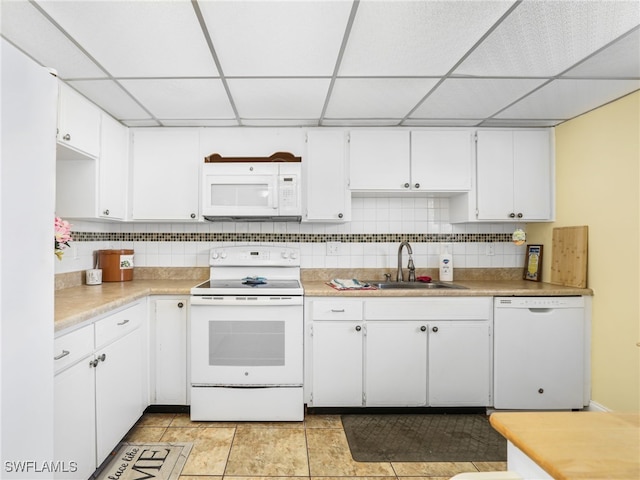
(114, 165)
(532, 174)
(74, 421)
(169, 349)
(495, 175)
(459, 363)
(78, 124)
(441, 160)
(166, 169)
(119, 384)
(327, 194)
(515, 178)
(379, 160)
(396, 364)
(337, 364)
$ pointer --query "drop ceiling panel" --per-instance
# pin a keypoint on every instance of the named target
(24, 26)
(564, 99)
(622, 59)
(111, 98)
(137, 38)
(279, 99)
(276, 38)
(544, 38)
(141, 123)
(200, 123)
(182, 98)
(518, 122)
(441, 122)
(473, 97)
(361, 122)
(407, 38)
(377, 97)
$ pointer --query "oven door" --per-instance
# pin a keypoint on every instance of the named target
(246, 341)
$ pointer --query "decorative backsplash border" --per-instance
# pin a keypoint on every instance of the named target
(291, 237)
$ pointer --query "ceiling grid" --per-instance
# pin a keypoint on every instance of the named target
(387, 63)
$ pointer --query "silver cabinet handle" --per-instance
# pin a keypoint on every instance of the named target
(102, 357)
(520, 215)
(180, 304)
(406, 185)
(106, 212)
(434, 329)
(337, 310)
(124, 322)
(193, 215)
(93, 363)
(62, 355)
(340, 215)
(512, 215)
(358, 328)
(417, 185)
(423, 328)
(66, 137)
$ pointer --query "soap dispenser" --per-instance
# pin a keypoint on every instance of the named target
(446, 266)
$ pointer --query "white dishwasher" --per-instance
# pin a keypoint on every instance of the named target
(540, 353)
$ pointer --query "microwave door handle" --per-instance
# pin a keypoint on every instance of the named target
(275, 191)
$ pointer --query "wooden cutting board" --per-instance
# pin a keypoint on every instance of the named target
(569, 256)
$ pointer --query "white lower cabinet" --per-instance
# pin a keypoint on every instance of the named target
(118, 391)
(168, 350)
(98, 389)
(460, 359)
(74, 409)
(337, 364)
(396, 364)
(384, 352)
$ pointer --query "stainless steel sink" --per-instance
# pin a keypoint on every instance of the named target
(415, 285)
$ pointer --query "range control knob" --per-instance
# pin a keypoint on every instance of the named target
(293, 255)
(285, 255)
(215, 255)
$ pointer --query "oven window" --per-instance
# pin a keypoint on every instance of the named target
(246, 343)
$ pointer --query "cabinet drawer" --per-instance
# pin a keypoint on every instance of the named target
(118, 324)
(337, 310)
(71, 347)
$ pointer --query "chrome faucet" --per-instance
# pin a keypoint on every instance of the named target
(410, 266)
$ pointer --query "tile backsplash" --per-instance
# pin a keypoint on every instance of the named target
(370, 240)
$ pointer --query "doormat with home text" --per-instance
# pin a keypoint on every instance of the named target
(150, 461)
(423, 438)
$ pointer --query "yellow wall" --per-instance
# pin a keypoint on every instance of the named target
(598, 184)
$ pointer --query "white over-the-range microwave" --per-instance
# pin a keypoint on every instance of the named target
(251, 191)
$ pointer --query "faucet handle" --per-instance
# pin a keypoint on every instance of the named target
(387, 277)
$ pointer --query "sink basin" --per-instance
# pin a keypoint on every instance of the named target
(415, 285)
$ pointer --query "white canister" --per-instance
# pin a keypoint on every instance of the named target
(94, 276)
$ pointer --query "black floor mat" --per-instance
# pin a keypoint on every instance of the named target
(423, 438)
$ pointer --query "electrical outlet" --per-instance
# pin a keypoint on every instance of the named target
(333, 248)
(490, 249)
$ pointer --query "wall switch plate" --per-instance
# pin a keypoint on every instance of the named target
(333, 248)
(490, 249)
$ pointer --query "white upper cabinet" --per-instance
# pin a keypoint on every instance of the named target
(417, 161)
(379, 160)
(441, 160)
(515, 175)
(166, 166)
(114, 167)
(325, 175)
(78, 125)
(92, 188)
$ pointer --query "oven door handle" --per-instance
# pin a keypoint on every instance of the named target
(243, 301)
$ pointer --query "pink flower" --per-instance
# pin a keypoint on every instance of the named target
(62, 236)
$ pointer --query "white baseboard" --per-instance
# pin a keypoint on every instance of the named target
(596, 407)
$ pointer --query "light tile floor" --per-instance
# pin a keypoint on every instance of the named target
(314, 449)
